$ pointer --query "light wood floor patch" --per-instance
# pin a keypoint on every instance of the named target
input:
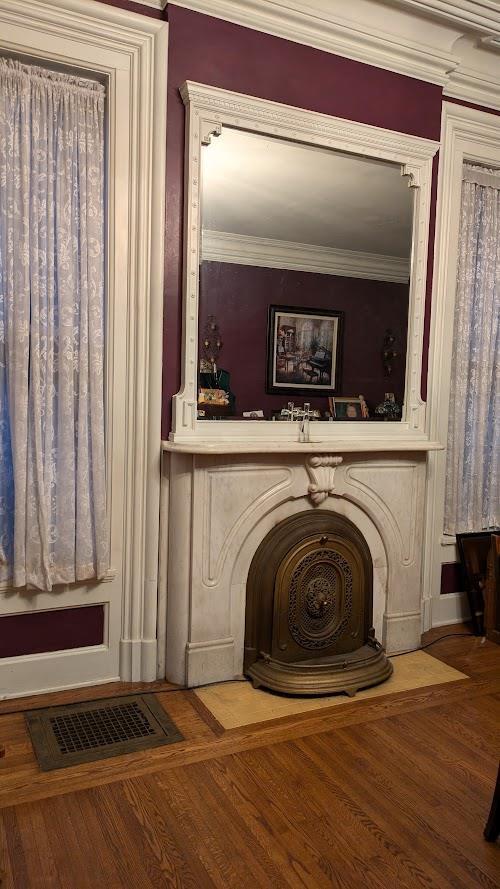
(237, 704)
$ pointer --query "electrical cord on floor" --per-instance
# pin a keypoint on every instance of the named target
(439, 639)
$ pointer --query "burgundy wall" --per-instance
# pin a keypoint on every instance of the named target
(239, 297)
(452, 580)
(136, 7)
(40, 631)
(224, 55)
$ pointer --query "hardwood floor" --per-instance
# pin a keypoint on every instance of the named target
(390, 793)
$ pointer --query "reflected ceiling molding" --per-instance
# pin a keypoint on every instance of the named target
(275, 254)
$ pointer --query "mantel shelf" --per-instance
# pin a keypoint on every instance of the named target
(330, 445)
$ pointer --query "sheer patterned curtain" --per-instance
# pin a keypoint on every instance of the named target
(53, 525)
(472, 500)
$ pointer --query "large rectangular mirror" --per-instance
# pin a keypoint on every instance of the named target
(304, 276)
(304, 280)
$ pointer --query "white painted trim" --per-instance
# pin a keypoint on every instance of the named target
(481, 14)
(207, 661)
(154, 4)
(7, 588)
(466, 134)
(491, 41)
(163, 563)
(474, 86)
(55, 671)
(208, 109)
(450, 608)
(274, 254)
(130, 51)
(247, 443)
(355, 37)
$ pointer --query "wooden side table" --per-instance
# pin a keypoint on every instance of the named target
(492, 592)
(492, 829)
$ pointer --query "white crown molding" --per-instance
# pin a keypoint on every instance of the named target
(474, 86)
(275, 254)
(492, 41)
(350, 30)
(482, 15)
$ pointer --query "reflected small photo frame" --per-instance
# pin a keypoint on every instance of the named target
(348, 407)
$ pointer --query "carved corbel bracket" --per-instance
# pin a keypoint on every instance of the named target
(208, 129)
(413, 174)
(321, 471)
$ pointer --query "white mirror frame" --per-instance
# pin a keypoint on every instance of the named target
(209, 109)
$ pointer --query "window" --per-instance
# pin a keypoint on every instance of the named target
(52, 462)
(472, 500)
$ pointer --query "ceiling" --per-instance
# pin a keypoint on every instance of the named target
(259, 186)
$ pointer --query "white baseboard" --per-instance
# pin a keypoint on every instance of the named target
(149, 660)
(138, 660)
(449, 608)
(402, 632)
(210, 661)
(55, 671)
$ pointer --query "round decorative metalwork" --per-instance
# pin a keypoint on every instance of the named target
(320, 599)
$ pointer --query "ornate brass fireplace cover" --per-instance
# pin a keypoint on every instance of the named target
(309, 609)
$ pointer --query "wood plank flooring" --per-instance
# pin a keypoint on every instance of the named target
(390, 793)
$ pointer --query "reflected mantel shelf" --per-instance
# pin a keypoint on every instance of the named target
(298, 447)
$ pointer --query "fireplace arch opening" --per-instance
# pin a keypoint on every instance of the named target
(309, 609)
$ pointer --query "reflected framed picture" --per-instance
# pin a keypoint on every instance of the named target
(303, 350)
(349, 407)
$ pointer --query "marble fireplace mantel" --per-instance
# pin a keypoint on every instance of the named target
(225, 496)
(340, 445)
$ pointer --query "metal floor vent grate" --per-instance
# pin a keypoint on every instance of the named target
(79, 733)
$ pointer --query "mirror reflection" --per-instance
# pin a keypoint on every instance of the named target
(304, 272)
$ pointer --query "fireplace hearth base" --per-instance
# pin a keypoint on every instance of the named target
(346, 673)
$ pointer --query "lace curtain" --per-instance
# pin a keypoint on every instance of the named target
(53, 525)
(472, 500)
